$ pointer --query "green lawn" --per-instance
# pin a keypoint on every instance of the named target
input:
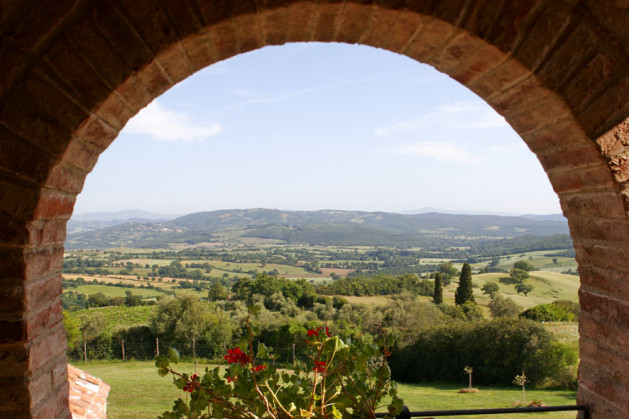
(138, 392)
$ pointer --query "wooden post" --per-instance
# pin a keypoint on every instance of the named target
(85, 350)
(194, 354)
(122, 343)
(293, 354)
(157, 346)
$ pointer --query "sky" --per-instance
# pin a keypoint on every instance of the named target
(313, 126)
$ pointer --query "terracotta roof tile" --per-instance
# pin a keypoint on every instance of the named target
(88, 395)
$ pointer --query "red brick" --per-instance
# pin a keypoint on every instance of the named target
(49, 98)
(39, 323)
(609, 363)
(44, 262)
(81, 154)
(559, 135)
(506, 74)
(121, 36)
(54, 204)
(568, 158)
(23, 158)
(46, 233)
(248, 32)
(607, 110)
(40, 388)
(154, 78)
(588, 82)
(326, 25)
(511, 25)
(17, 200)
(595, 204)
(41, 294)
(24, 118)
(608, 335)
(60, 373)
(301, 18)
(429, 46)
(14, 397)
(275, 26)
(134, 94)
(606, 280)
(13, 265)
(596, 405)
(354, 22)
(48, 348)
(12, 331)
(554, 20)
(13, 231)
(582, 179)
(599, 229)
(567, 59)
(96, 132)
(13, 362)
(76, 75)
(608, 255)
(224, 40)
(11, 298)
(615, 393)
(199, 52)
(607, 307)
(407, 25)
(56, 406)
(379, 27)
(147, 22)
(67, 178)
(472, 58)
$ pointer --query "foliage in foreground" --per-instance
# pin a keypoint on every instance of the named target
(340, 380)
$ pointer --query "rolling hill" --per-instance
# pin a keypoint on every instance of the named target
(325, 227)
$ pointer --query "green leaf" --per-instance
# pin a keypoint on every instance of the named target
(173, 355)
(162, 361)
(263, 351)
(162, 372)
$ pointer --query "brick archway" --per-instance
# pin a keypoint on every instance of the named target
(75, 71)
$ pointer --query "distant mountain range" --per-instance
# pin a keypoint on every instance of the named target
(97, 220)
(325, 227)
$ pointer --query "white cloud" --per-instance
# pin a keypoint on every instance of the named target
(458, 115)
(165, 125)
(440, 151)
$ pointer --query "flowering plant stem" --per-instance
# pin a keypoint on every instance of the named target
(341, 380)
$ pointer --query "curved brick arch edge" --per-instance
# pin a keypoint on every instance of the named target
(100, 70)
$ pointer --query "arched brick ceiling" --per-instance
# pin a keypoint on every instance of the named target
(74, 71)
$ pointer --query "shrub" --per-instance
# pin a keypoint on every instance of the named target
(553, 312)
(498, 348)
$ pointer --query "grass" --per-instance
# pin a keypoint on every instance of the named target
(548, 287)
(138, 392)
(112, 291)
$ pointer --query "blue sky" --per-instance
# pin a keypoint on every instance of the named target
(318, 126)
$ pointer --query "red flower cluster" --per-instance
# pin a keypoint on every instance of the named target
(258, 368)
(319, 366)
(237, 356)
(192, 384)
(231, 379)
(313, 332)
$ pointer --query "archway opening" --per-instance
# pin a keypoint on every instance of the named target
(245, 144)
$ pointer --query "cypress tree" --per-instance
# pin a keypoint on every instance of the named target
(437, 296)
(464, 291)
